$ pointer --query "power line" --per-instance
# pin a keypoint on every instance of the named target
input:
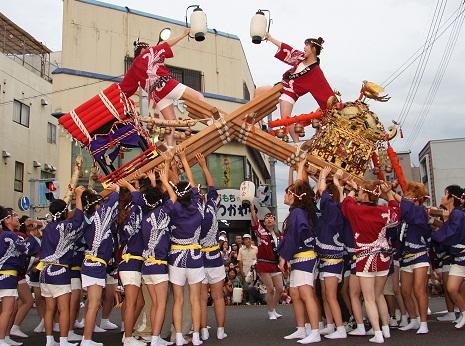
(420, 120)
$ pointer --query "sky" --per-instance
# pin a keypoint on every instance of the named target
(379, 41)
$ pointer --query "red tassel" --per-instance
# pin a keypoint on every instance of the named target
(401, 133)
(112, 143)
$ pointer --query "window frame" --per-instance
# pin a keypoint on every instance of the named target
(51, 133)
(19, 180)
(21, 119)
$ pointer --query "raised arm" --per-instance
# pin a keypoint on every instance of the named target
(339, 175)
(172, 41)
(291, 175)
(164, 180)
(203, 164)
(253, 215)
(273, 40)
(78, 193)
(386, 188)
(301, 172)
(322, 179)
(126, 184)
(181, 152)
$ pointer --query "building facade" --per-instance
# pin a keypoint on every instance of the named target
(28, 134)
(441, 165)
(97, 51)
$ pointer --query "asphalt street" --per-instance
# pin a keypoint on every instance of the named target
(249, 325)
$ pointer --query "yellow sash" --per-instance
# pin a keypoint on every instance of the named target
(127, 256)
(414, 254)
(154, 260)
(96, 259)
(185, 247)
(9, 272)
(331, 260)
(306, 254)
(41, 265)
(210, 249)
(76, 268)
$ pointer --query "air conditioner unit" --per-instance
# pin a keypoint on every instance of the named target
(37, 164)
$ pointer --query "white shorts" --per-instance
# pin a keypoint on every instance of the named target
(178, 276)
(287, 98)
(347, 273)
(300, 278)
(457, 270)
(324, 275)
(110, 280)
(21, 282)
(34, 284)
(90, 281)
(8, 292)
(214, 275)
(446, 268)
(53, 291)
(174, 94)
(410, 268)
(76, 284)
(155, 279)
(130, 278)
(373, 274)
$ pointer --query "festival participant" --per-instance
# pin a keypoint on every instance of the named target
(414, 244)
(452, 234)
(443, 268)
(79, 247)
(149, 72)
(212, 262)
(33, 229)
(298, 248)
(185, 259)
(26, 300)
(369, 223)
(268, 259)
(99, 241)
(12, 248)
(155, 234)
(330, 252)
(354, 290)
(304, 76)
(55, 255)
(131, 242)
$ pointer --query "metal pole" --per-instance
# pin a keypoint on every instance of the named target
(273, 187)
(274, 200)
(32, 184)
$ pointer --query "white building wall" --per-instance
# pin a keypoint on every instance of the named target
(25, 144)
(447, 167)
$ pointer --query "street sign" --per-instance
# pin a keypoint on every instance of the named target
(24, 203)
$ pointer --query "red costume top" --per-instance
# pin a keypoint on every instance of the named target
(369, 224)
(267, 256)
(149, 71)
(311, 79)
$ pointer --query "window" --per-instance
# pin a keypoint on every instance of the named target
(51, 133)
(19, 176)
(20, 113)
(127, 63)
(245, 91)
(191, 78)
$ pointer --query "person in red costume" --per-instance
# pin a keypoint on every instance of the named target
(369, 222)
(305, 76)
(148, 71)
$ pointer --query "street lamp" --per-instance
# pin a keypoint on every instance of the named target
(164, 35)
